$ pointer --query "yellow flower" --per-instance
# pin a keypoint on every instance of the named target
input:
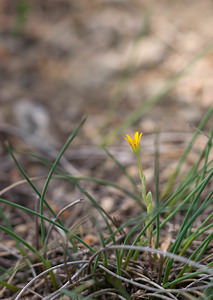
(134, 143)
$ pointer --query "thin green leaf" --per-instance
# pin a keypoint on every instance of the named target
(64, 148)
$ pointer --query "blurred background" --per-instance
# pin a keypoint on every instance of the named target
(105, 58)
(129, 64)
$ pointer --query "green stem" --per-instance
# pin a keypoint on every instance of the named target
(142, 178)
(147, 198)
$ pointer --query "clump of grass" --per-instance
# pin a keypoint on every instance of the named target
(116, 267)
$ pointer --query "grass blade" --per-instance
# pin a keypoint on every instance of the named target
(174, 174)
(66, 145)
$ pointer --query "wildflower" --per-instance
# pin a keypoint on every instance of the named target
(134, 143)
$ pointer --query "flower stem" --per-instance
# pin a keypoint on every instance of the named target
(147, 198)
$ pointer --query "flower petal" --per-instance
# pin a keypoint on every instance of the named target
(129, 139)
(136, 137)
(139, 137)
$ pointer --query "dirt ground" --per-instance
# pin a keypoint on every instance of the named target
(60, 59)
